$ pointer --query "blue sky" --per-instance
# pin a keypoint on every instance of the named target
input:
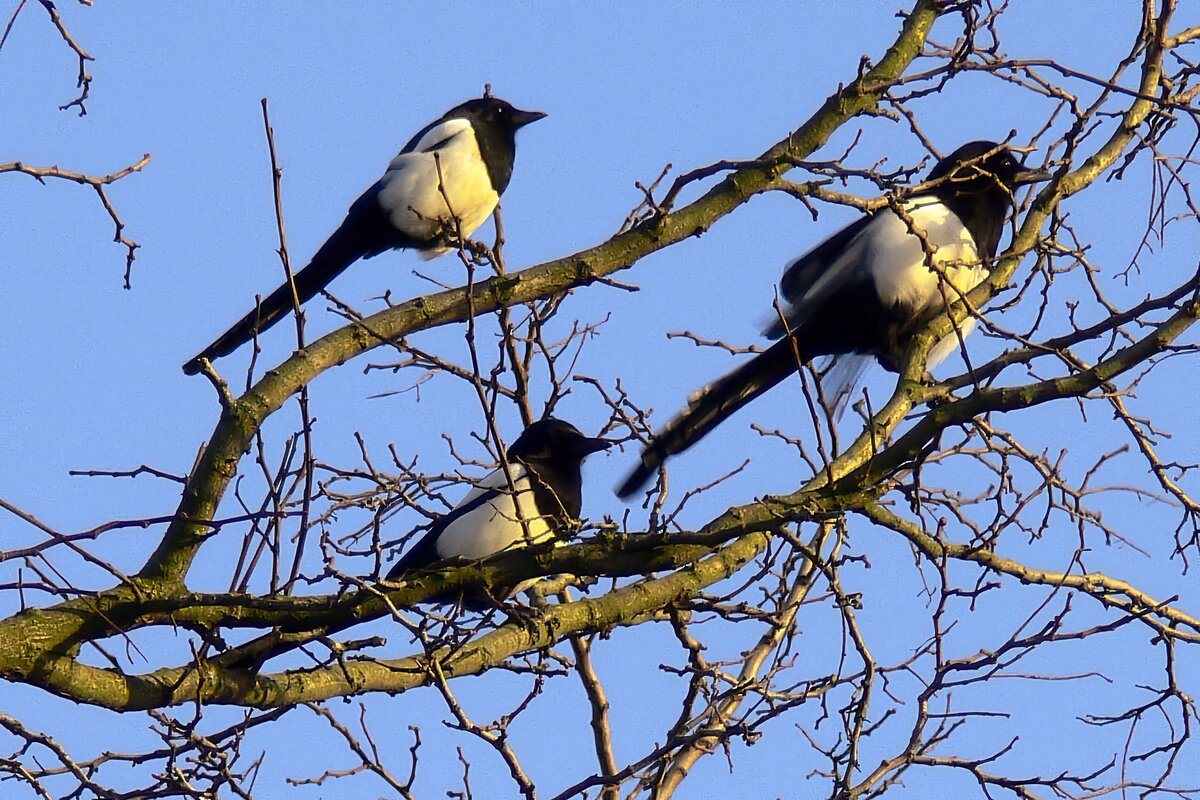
(92, 371)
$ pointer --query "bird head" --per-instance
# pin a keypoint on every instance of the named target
(554, 440)
(983, 166)
(495, 113)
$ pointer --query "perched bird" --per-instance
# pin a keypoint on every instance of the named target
(460, 163)
(868, 288)
(535, 502)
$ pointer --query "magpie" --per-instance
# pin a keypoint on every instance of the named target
(460, 163)
(534, 502)
(868, 288)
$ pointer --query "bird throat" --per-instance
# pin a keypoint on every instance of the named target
(498, 148)
(557, 493)
(982, 212)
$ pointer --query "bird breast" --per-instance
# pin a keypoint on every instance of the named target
(442, 178)
(495, 525)
(900, 265)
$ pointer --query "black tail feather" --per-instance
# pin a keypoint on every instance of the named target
(342, 249)
(712, 405)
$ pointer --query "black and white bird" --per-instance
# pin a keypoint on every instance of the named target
(535, 502)
(460, 163)
(868, 288)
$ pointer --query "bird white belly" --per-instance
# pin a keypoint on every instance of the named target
(495, 526)
(948, 344)
(422, 203)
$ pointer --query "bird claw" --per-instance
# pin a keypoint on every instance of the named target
(521, 615)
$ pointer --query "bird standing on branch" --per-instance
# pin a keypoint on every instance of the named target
(868, 288)
(442, 185)
(537, 500)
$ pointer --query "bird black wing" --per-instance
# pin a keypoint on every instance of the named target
(812, 277)
(424, 552)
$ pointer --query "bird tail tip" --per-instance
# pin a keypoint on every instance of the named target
(194, 365)
(640, 475)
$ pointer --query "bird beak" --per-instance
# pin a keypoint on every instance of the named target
(1026, 176)
(589, 446)
(522, 118)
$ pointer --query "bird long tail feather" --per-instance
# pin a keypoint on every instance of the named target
(712, 405)
(341, 250)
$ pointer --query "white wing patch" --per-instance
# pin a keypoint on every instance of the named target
(438, 133)
(495, 526)
(412, 192)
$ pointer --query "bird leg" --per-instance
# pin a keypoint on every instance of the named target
(519, 614)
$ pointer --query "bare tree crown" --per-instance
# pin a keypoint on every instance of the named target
(891, 619)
